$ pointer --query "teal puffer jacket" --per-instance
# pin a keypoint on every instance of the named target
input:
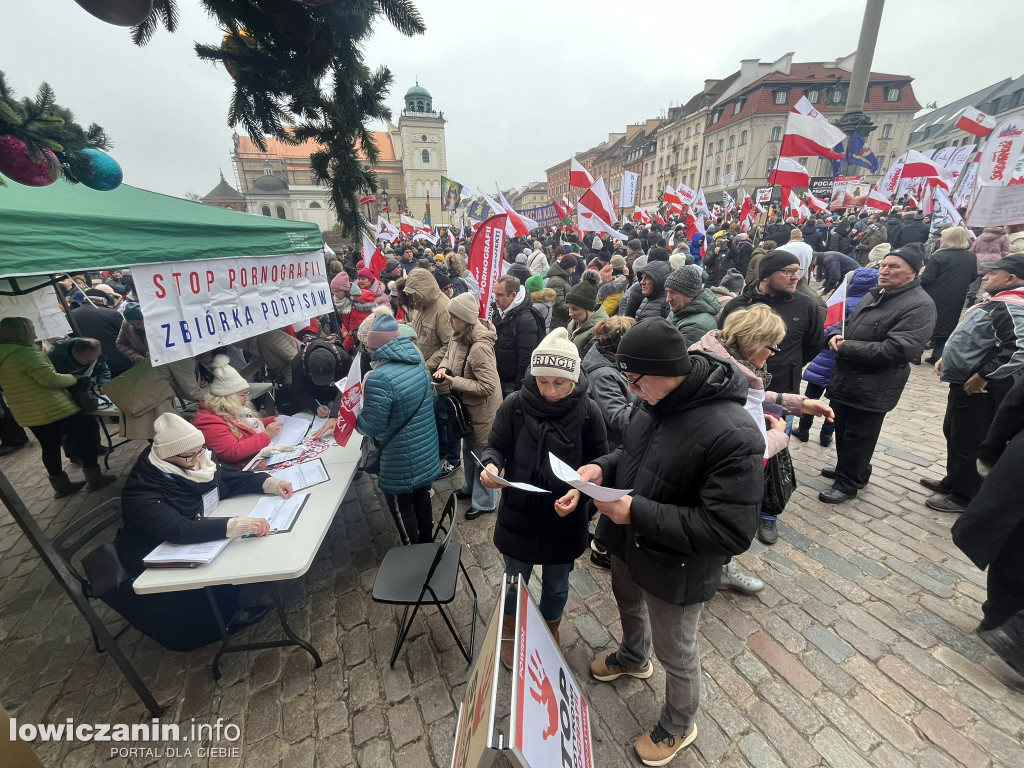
(391, 393)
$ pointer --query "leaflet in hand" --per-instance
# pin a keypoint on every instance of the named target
(280, 513)
(567, 474)
(293, 429)
(304, 475)
(169, 555)
(507, 483)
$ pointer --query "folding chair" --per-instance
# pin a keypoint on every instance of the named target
(425, 574)
(102, 569)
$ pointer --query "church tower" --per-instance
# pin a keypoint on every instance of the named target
(419, 142)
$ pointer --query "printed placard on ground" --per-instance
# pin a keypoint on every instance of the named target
(550, 719)
(190, 307)
(474, 731)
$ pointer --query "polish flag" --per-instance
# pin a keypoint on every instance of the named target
(372, 256)
(917, 166)
(877, 200)
(517, 223)
(804, 107)
(385, 230)
(816, 204)
(567, 205)
(747, 206)
(672, 195)
(695, 226)
(834, 305)
(913, 202)
(806, 135)
(789, 173)
(558, 210)
(596, 211)
(579, 176)
(408, 225)
(641, 215)
(975, 122)
(657, 218)
(791, 202)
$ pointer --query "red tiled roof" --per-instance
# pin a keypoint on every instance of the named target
(282, 150)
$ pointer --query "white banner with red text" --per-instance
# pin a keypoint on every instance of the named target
(190, 307)
(485, 258)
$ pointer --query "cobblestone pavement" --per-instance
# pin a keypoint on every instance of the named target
(860, 652)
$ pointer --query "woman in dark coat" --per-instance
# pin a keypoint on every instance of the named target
(550, 413)
(946, 278)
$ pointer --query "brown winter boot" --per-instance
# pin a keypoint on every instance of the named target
(508, 638)
(62, 485)
(96, 479)
(553, 626)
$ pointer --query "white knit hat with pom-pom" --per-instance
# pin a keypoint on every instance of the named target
(226, 380)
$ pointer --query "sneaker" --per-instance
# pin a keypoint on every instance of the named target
(448, 469)
(658, 746)
(803, 435)
(608, 668)
(733, 577)
(767, 532)
(601, 559)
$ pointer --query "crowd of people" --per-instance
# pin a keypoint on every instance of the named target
(666, 364)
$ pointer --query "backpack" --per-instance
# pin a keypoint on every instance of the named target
(321, 343)
(542, 328)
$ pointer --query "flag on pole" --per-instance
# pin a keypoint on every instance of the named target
(386, 230)
(700, 203)
(659, 219)
(579, 176)
(496, 207)
(408, 225)
(807, 135)
(686, 195)
(484, 261)
(789, 173)
(816, 204)
(517, 223)
(641, 214)
(836, 303)
(746, 206)
(916, 166)
(730, 202)
(1000, 154)
(861, 154)
(596, 211)
(671, 195)
(804, 107)
(975, 122)
(877, 200)
(372, 256)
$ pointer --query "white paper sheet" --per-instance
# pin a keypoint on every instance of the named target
(170, 554)
(304, 475)
(318, 422)
(506, 483)
(567, 474)
(280, 513)
(279, 458)
(293, 429)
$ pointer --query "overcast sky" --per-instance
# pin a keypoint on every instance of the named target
(522, 85)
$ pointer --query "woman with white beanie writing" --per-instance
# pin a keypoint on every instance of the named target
(230, 427)
(551, 412)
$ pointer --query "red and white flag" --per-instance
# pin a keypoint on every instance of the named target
(641, 214)
(659, 219)
(791, 202)
(877, 200)
(372, 256)
(425, 234)
(566, 205)
(700, 203)
(730, 202)
(351, 388)
(686, 195)
(917, 166)
(386, 230)
(834, 305)
(816, 203)
(408, 225)
(695, 225)
(559, 211)
(672, 195)
(789, 173)
(975, 122)
(806, 135)
(804, 107)
(521, 225)
(595, 210)
(746, 206)
(913, 201)
(579, 176)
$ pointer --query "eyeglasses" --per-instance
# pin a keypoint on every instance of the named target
(633, 382)
(790, 272)
(774, 350)
(192, 456)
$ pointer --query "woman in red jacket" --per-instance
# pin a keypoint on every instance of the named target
(231, 429)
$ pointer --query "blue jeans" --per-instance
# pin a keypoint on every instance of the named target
(554, 591)
(445, 439)
(482, 498)
(507, 389)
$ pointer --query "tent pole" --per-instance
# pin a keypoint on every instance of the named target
(59, 568)
(64, 305)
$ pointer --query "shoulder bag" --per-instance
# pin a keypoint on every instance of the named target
(458, 415)
(369, 451)
(779, 482)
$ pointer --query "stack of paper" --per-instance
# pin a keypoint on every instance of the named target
(169, 555)
(293, 429)
(304, 475)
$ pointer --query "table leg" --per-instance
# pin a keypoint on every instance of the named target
(110, 443)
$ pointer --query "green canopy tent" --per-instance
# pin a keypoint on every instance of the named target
(63, 229)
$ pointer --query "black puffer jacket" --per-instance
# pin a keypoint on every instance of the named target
(525, 429)
(695, 501)
(886, 331)
(558, 281)
(518, 335)
(805, 333)
(655, 305)
(916, 231)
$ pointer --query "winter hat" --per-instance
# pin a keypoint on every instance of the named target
(584, 293)
(465, 308)
(133, 312)
(175, 436)
(527, 251)
(686, 281)
(743, 236)
(567, 262)
(775, 261)
(634, 245)
(912, 253)
(226, 380)
(535, 283)
(678, 259)
(98, 295)
(102, 287)
(596, 244)
(367, 273)
(443, 281)
(520, 273)
(733, 281)
(391, 264)
(658, 254)
(521, 257)
(560, 251)
(341, 282)
(557, 356)
(619, 262)
(879, 252)
(639, 264)
(653, 347)
(383, 329)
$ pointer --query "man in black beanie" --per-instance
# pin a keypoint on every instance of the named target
(888, 329)
(779, 275)
(694, 504)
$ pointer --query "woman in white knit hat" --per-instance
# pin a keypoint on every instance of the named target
(550, 412)
(169, 495)
(230, 427)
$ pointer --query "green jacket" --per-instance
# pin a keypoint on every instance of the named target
(36, 393)
(697, 318)
(582, 335)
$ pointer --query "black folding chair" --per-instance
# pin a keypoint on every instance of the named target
(425, 574)
(99, 569)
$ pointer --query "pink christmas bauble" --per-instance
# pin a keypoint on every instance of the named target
(17, 165)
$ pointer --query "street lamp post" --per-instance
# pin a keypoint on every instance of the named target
(853, 117)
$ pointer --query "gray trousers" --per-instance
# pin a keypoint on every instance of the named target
(673, 630)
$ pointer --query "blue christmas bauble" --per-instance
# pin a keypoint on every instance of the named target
(103, 173)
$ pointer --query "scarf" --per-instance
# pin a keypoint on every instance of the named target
(761, 373)
(555, 426)
(204, 472)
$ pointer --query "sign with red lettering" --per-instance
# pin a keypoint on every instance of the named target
(474, 731)
(190, 307)
(550, 720)
(485, 258)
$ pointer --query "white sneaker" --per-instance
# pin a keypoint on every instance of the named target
(733, 577)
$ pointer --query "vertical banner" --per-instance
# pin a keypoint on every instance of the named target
(485, 258)
(190, 307)
(627, 192)
(351, 402)
(889, 183)
(550, 719)
(999, 157)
